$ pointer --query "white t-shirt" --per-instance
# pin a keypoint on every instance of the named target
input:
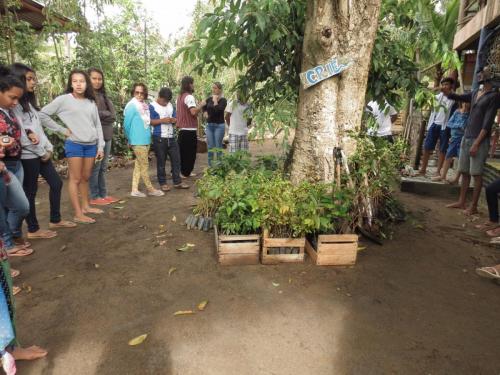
(440, 117)
(190, 101)
(383, 118)
(240, 114)
(167, 130)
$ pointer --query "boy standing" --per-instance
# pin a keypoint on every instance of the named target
(238, 118)
(163, 119)
(436, 127)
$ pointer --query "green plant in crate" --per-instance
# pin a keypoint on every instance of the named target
(236, 161)
(239, 211)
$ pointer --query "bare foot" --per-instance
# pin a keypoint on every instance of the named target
(92, 210)
(28, 354)
(471, 211)
(457, 205)
(82, 219)
(486, 226)
(495, 232)
(452, 182)
(437, 178)
(420, 173)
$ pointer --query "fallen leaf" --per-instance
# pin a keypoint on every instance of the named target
(348, 294)
(185, 247)
(121, 202)
(63, 247)
(171, 270)
(161, 236)
(280, 292)
(202, 305)
(276, 284)
(96, 265)
(183, 312)
(162, 226)
(137, 340)
(174, 219)
(361, 248)
(289, 280)
(190, 245)
(118, 207)
(59, 276)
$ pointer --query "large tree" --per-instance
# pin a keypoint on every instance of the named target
(330, 110)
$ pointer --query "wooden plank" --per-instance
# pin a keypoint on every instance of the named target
(312, 253)
(347, 259)
(284, 242)
(238, 260)
(239, 248)
(283, 258)
(337, 248)
(247, 237)
(325, 238)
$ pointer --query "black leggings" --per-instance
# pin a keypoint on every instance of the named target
(32, 169)
(188, 141)
(492, 191)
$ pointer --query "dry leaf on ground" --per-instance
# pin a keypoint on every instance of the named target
(202, 305)
(174, 218)
(183, 312)
(276, 284)
(137, 340)
(171, 270)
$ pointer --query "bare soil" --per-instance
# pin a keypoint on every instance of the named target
(412, 306)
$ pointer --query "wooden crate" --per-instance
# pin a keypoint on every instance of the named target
(237, 250)
(334, 250)
(272, 243)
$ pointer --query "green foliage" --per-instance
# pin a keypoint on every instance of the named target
(236, 161)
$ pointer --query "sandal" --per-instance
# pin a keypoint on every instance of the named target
(486, 226)
(15, 290)
(19, 252)
(92, 210)
(493, 232)
(21, 242)
(42, 234)
(14, 273)
(488, 273)
(62, 224)
(165, 187)
(181, 186)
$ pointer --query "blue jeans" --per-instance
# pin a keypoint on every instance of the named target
(15, 205)
(164, 147)
(215, 135)
(97, 182)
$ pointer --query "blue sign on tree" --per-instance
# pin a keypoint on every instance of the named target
(321, 72)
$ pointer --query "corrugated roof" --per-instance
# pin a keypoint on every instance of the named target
(32, 12)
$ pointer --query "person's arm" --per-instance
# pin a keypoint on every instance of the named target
(221, 105)
(193, 108)
(228, 118)
(53, 108)
(467, 97)
(112, 111)
(128, 115)
(155, 116)
(100, 136)
(27, 144)
(475, 146)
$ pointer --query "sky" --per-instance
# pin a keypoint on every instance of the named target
(170, 15)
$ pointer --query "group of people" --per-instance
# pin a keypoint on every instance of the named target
(464, 126)
(175, 131)
(88, 118)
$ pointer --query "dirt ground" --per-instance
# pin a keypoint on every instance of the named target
(412, 306)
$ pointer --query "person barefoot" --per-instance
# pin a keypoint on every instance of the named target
(472, 210)
(460, 205)
(28, 354)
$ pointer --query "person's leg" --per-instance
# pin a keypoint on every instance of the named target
(188, 158)
(233, 143)
(136, 176)
(210, 133)
(18, 206)
(219, 138)
(441, 160)
(244, 143)
(476, 193)
(87, 165)
(444, 140)
(492, 191)
(477, 164)
(429, 146)
(444, 171)
(103, 191)
(173, 153)
(55, 183)
(94, 181)
(184, 151)
(160, 147)
(30, 185)
(75, 168)
(141, 153)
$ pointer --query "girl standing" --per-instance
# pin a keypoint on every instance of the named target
(137, 122)
(214, 108)
(107, 115)
(78, 111)
(36, 159)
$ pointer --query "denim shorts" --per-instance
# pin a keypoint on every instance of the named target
(454, 148)
(78, 150)
(434, 134)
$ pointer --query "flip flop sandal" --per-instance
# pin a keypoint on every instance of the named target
(95, 211)
(42, 234)
(15, 290)
(165, 188)
(488, 273)
(495, 241)
(486, 226)
(20, 252)
(21, 242)
(63, 224)
(181, 186)
(83, 221)
(493, 232)
(14, 273)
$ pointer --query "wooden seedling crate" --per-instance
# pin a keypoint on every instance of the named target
(334, 250)
(269, 245)
(237, 250)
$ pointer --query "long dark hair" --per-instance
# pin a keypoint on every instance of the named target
(20, 71)
(89, 91)
(8, 80)
(102, 90)
(186, 84)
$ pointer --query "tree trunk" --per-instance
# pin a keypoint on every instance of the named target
(332, 108)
